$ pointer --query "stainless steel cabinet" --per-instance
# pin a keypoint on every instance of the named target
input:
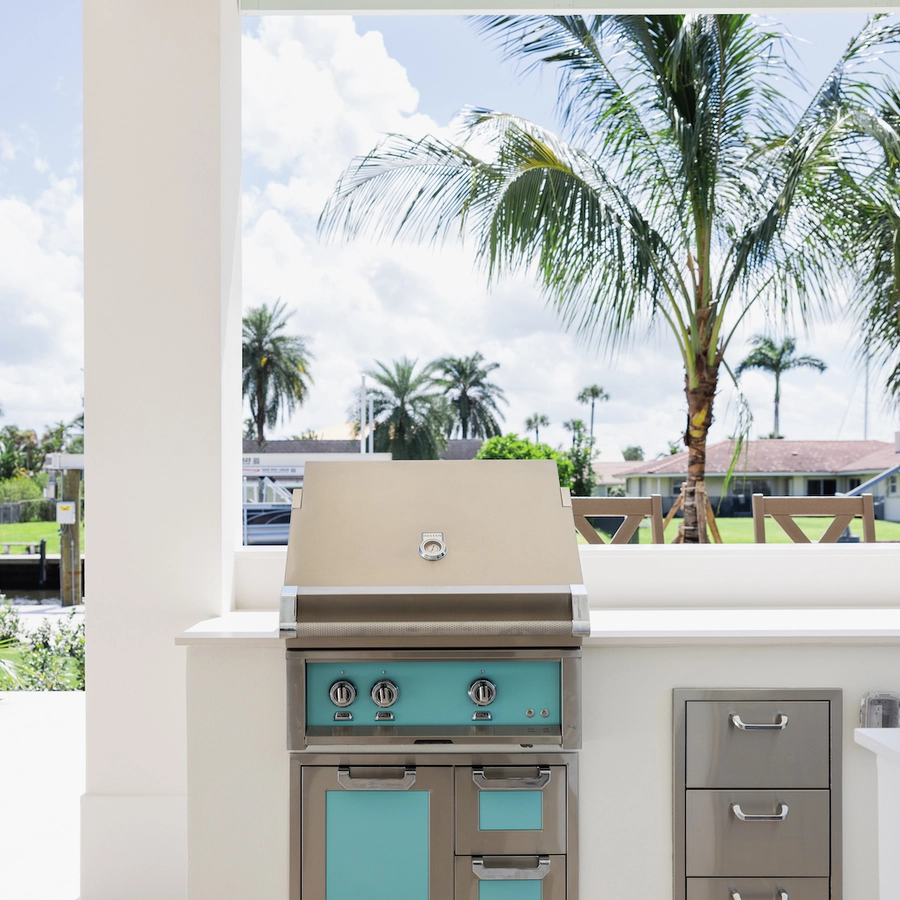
(433, 827)
(757, 794)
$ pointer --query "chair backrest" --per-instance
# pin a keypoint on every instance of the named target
(632, 508)
(843, 509)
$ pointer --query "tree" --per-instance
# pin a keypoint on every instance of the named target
(592, 394)
(536, 423)
(633, 454)
(686, 194)
(474, 398)
(581, 456)
(777, 359)
(411, 414)
(276, 375)
(511, 446)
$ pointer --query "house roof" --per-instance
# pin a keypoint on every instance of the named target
(610, 472)
(780, 457)
(455, 449)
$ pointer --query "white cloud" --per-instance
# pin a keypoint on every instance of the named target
(317, 93)
(41, 307)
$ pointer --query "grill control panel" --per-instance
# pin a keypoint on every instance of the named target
(434, 693)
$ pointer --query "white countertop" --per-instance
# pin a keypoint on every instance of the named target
(648, 627)
(884, 742)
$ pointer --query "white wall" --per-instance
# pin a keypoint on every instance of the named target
(162, 350)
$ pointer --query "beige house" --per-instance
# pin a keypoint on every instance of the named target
(776, 467)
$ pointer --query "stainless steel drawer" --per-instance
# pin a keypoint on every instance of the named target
(725, 839)
(758, 888)
(758, 744)
(510, 878)
(511, 810)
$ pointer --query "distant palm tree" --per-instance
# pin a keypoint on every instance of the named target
(276, 375)
(474, 398)
(535, 423)
(777, 359)
(411, 415)
(592, 394)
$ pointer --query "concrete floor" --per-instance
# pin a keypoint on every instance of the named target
(41, 783)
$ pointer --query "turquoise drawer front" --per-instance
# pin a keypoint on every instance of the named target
(510, 810)
(510, 890)
(436, 693)
(356, 864)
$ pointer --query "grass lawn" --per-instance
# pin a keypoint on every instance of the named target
(740, 531)
(33, 531)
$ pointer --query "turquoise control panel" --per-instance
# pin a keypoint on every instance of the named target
(435, 693)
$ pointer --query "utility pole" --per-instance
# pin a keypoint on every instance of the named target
(69, 516)
(362, 416)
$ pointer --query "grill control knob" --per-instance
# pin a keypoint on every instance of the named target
(342, 693)
(385, 693)
(482, 692)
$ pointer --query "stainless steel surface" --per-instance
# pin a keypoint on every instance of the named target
(758, 889)
(780, 816)
(687, 701)
(309, 787)
(345, 716)
(719, 844)
(780, 725)
(482, 692)
(342, 693)
(384, 716)
(506, 869)
(433, 547)
(554, 882)
(287, 611)
(724, 754)
(550, 780)
(385, 693)
(402, 782)
(562, 884)
(516, 783)
(481, 715)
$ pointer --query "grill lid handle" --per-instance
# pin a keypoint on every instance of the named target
(287, 614)
(581, 611)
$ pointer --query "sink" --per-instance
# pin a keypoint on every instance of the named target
(885, 744)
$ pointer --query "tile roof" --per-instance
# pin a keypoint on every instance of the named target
(457, 449)
(612, 472)
(787, 457)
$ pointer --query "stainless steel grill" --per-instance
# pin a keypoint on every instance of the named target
(432, 609)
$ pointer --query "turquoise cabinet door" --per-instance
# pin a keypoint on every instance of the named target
(376, 834)
(376, 845)
(510, 890)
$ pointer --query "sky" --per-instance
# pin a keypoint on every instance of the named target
(318, 91)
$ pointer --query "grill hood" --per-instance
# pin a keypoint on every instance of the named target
(356, 574)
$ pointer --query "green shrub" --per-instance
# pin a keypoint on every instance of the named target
(10, 622)
(511, 446)
(13, 490)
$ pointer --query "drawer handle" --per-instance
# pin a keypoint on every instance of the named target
(502, 873)
(780, 725)
(511, 784)
(349, 783)
(782, 895)
(780, 816)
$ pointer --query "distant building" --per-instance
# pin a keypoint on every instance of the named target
(611, 474)
(775, 467)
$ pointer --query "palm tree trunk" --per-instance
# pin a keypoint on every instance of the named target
(700, 399)
(592, 421)
(260, 414)
(777, 401)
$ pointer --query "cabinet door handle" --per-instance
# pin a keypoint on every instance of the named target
(782, 895)
(349, 783)
(780, 816)
(780, 725)
(512, 784)
(503, 873)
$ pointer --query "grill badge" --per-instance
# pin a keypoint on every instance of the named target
(432, 547)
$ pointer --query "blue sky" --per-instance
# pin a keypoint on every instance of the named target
(360, 78)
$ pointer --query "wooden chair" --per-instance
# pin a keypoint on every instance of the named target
(843, 509)
(632, 508)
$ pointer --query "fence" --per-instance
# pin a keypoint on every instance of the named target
(27, 511)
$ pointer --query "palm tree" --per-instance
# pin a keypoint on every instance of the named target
(411, 415)
(777, 359)
(474, 398)
(276, 375)
(686, 193)
(536, 423)
(592, 394)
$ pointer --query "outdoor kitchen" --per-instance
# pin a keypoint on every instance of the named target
(455, 700)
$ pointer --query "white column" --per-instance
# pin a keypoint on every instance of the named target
(162, 406)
